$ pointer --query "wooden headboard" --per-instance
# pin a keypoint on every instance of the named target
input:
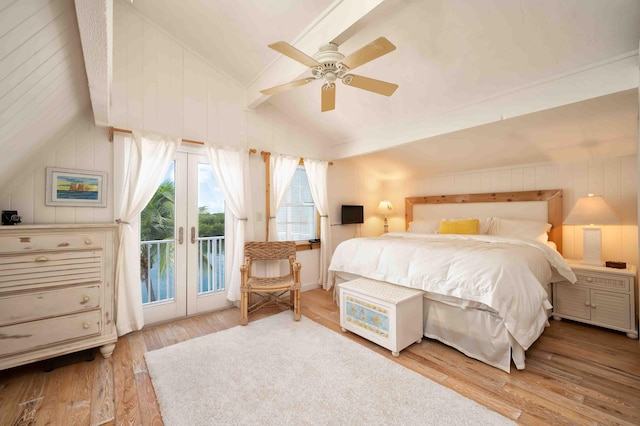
(553, 197)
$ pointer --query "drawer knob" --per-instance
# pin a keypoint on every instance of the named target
(42, 259)
(88, 241)
(589, 279)
(86, 325)
(86, 298)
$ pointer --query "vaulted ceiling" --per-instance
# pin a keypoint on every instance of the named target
(43, 84)
(458, 64)
(524, 80)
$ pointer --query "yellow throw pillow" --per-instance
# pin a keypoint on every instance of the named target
(462, 226)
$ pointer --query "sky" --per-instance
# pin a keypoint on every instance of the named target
(209, 192)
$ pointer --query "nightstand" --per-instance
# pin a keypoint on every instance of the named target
(601, 296)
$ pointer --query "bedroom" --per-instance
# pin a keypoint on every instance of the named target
(544, 99)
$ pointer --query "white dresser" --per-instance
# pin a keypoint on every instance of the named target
(57, 292)
(601, 296)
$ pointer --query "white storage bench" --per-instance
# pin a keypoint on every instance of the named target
(387, 314)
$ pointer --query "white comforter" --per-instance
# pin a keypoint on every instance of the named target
(504, 274)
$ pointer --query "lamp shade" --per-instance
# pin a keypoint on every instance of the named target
(591, 210)
(385, 207)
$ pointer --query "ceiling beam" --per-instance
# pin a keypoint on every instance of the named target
(336, 24)
(95, 22)
(606, 77)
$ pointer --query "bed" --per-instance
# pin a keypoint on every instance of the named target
(487, 293)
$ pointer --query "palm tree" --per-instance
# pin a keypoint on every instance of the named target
(157, 223)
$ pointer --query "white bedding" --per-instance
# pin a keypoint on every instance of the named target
(502, 274)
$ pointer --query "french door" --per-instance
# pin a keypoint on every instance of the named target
(182, 250)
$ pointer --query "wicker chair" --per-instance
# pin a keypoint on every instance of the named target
(269, 290)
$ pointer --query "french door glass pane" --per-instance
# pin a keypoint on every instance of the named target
(157, 243)
(210, 232)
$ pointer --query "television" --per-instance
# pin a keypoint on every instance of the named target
(352, 214)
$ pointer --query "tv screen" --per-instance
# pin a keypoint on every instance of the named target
(352, 214)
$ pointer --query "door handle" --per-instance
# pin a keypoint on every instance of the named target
(193, 235)
(180, 235)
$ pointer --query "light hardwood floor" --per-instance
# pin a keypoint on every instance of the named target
(575, 374)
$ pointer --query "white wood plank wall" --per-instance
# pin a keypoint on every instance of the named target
(614, 178)
(161, 86)
(83, 146)
(348, 183)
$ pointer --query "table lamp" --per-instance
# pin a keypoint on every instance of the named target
(592, 211)
(385, 208)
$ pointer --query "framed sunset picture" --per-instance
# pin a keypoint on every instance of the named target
(76, 188)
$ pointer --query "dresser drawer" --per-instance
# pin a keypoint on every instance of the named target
(20, 244)
(604, 281)
(50, 268)
(34, 305)
(36, 334)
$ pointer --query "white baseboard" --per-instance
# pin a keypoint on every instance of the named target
(309, 286)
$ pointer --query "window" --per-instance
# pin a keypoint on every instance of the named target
(296, 218)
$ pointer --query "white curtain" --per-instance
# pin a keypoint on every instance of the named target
(142, 162)
(231, 169)
(282, 170)
(317, 176)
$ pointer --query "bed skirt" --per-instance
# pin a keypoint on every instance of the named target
(477, 333)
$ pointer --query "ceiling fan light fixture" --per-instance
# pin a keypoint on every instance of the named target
(330, 76)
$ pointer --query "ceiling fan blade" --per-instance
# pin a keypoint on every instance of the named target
(370, 84)
(290, 51)
(286, 86)
(368, 53)
(328, 97)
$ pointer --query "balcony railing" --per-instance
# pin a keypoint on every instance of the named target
(157, 268)
(210, 264)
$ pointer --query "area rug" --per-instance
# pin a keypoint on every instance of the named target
(279, 372)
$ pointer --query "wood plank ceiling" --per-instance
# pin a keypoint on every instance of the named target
(453, 58)
(43, 85)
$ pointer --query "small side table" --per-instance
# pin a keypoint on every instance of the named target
(602, 296)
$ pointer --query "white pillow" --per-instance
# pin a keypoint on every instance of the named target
(424, 226)
(484, 226)
(527, 229)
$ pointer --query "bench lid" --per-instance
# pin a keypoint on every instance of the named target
(380, 290)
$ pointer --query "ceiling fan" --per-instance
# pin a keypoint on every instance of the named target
(330, 65)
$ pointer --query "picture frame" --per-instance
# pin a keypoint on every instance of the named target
(75, 188)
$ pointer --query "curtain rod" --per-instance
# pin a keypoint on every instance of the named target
(115, 129)
(266, 154)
